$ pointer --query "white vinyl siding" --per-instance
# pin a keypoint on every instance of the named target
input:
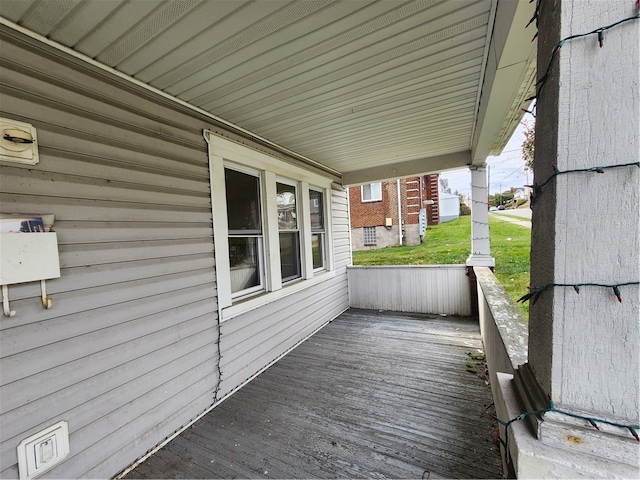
(129, 352)
(411, 288)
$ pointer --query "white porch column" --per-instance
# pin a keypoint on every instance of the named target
(480, 244)
(584, 349)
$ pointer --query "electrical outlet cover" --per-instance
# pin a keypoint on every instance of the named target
(43, 451)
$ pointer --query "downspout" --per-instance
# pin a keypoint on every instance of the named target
(399, 212)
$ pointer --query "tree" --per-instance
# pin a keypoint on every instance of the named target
(528, 144)
(501, 198)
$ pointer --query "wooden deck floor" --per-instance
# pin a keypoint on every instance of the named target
(372, 395)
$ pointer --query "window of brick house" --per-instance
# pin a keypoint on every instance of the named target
(370, 235)
(372, 192)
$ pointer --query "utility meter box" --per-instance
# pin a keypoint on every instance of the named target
(18, 142)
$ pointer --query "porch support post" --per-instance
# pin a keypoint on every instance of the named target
(584, 348)
(480, 245)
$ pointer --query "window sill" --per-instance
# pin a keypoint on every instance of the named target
(253, 303)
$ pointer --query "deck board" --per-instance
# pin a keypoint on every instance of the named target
(372, 395)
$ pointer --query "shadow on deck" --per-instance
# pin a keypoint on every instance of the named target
(372, 395)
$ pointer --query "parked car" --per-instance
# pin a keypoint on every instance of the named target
(493, 209)
(500, 207)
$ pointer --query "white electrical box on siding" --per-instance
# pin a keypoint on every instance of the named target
(18, 142)
(28, 257)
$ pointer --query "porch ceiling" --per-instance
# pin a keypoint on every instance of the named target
(371, 89)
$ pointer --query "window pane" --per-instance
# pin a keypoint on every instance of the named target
(290, 256)
(372, 192)
(317, 209)
(243, 202)
(317, 250)
(286, 201)
(243, 257)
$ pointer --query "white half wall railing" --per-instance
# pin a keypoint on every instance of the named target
(505, 335)
(503, 326)
(411, 288)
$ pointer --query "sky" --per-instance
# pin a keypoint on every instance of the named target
(504, 170)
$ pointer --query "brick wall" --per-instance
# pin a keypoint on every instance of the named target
(410, 188)
(414, 192)
(431, 193)
(372, 214)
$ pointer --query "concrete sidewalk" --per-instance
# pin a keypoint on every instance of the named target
(515, 221)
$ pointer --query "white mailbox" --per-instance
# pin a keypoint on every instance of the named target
(27, 257)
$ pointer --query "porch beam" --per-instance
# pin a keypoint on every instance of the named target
(409, 168)
(508, 79)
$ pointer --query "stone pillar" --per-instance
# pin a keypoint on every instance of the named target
(584, 348)
(480, 244)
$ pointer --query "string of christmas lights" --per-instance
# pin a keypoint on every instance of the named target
(530, 112)
(537, 189)
(535, 18)
(536, 290)
(598, 31)
(480, 202)
(633, 429)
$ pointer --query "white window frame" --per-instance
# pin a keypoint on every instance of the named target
(322, 232)
(298, 230)
(261, 270)
(378, 199)
(224, 152)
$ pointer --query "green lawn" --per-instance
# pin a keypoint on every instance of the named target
(450, 242)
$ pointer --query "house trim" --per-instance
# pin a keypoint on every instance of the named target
(409, 168)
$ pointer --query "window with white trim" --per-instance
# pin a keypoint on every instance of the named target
(272, 230)
(244, 220)
(372, 192)
(318, 238)
(289, 233)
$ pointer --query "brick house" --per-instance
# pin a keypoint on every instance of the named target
(374, 210)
